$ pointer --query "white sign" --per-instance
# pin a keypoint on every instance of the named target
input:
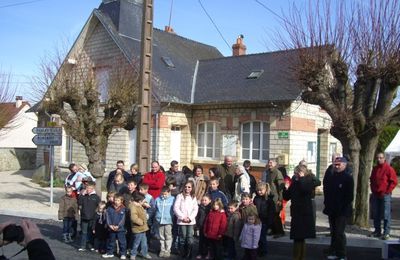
(229, 145)
(47, 139)
(47, 130)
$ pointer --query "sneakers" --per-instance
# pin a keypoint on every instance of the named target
(385, 237)
(167, 254)
(147, 256)
(81, 249)
(132, 257)
(375, 234)
(107, 256)
(123, 257)
(331, 257)
(161, 254)
(199, 257)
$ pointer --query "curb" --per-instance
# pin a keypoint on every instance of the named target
(25, 214)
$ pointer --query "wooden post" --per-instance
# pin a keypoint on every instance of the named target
(143, 149)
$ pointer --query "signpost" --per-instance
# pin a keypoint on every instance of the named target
(51, 136)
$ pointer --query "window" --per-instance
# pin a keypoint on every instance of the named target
(332, 149)
(311, 152)
(102, 77)
(208, 140)
(255, 141)
(255, 74)
(66, 149)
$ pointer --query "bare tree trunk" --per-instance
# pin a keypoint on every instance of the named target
(367, 154)
(97, 156)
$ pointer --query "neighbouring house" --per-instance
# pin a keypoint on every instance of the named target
(204, 105)
(17, 151)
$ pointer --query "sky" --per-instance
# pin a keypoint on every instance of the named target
(32, 29)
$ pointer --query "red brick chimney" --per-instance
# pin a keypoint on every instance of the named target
(18, 101)
(239, 48)
(169, 29)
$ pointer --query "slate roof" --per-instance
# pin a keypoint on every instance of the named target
(225, 80)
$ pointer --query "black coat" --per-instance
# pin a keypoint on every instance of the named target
(266, 208)
(300, 192)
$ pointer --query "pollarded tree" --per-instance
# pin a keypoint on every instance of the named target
(349, 65)
(91, 103)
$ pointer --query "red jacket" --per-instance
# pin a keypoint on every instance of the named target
(156, 181)
(215, 225)
(383, 179)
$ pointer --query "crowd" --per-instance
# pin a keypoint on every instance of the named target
(227, 209)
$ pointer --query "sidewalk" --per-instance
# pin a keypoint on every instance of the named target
(21, 197)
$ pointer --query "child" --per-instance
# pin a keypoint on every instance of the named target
(139, 226)
(216, 193)
(100, 228)
(135, 174)
(204, 209)
(164, 211)
(265, 207)
(250, 236)
(128, 192)
(185, 209)
(247, 207)
(149, 206)
(214, 229)
(170, 182)
(68, 213)
(88, 202)
(233, 230)
(110, 199)
(116, 227)
(119, 182)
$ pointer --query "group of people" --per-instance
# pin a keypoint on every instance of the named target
(229, 210)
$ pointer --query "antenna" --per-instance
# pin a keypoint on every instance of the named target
(170, 14)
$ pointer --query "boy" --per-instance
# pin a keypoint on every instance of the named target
(149, 206)
(88, 201)
(204, 209)
(139, 226)
(215, 193)
(233, 231)
(68, 213)
(164, 211)
(115, 216)
(247, 207)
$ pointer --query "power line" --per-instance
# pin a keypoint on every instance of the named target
(20, 3)
(270, 10)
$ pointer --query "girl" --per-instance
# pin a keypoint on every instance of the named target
(119, 182)
(200, 182)
(250, 236)
(100, 228)
(214, 173)
(214, 228)
(302, 224)
(110, 199)
(185, 209)
(204, 209)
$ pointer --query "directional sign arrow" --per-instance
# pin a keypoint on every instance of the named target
(47, 130)
(47, 139)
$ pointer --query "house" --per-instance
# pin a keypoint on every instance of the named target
(17, 151)
(204, 105)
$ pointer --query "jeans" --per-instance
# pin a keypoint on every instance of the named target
(87, 235)
(381, 209)
(112, 237)
(338, 237)
(67, 225)
(165, 234)
(186, 235)
(139, 239)
(262, 243)
(175, 235)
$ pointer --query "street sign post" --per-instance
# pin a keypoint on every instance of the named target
(47, 139)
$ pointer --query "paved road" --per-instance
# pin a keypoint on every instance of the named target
(277, 250)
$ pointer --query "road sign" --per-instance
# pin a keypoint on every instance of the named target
(47, 139)
(47, 130)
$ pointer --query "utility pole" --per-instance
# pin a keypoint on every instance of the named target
(143, 149)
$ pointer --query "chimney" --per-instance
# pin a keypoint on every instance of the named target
(169, 29)
(18, 101)
(239, 48)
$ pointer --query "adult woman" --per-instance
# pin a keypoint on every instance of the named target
(200, 182)
(302, 224)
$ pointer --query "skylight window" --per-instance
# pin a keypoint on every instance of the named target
(168, 62)
(255, 74)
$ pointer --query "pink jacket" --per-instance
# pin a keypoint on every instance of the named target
(186, 207)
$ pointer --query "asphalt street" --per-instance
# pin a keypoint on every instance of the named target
(277, 250)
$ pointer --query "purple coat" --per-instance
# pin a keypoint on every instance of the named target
(250, 236)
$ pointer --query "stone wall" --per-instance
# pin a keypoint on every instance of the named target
(12, 159)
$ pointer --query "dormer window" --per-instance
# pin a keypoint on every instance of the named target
(255, 74)
(168, 61)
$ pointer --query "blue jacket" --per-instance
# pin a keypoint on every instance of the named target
(215, 194)
(164, 210)
(116, 217)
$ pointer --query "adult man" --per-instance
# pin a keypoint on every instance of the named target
(338, 197)
(180, 179)
(227, 171)
(120, 165)
(383, 180)
(155, 179)
(274, 178)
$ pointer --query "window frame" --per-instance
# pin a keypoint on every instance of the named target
(216, 133)
(261, 148)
